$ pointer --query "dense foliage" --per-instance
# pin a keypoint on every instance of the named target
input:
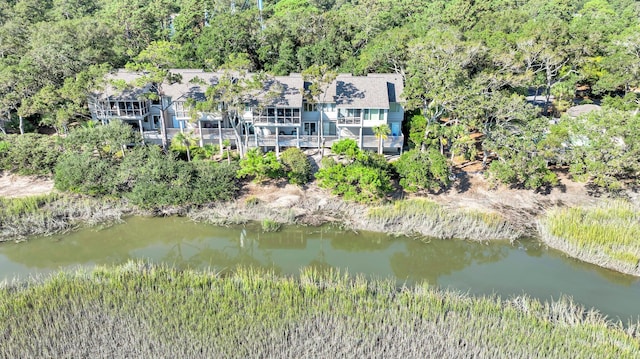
(365, 177)
(467, 65)
(98, 163)
(29, 154)
(297, 165)
(260, 166)
(345, 147)
(603, 148)
(423, 170)
(155, 312)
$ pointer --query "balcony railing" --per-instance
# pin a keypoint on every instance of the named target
(345, 120)
(276, 120)
(122, 113)
(125, 109)
(211, 136)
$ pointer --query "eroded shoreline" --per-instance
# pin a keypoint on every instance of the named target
(472, 212)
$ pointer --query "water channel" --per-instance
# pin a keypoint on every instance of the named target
(477, 268)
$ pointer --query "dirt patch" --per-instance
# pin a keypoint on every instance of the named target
(12, 186)
(471, 191)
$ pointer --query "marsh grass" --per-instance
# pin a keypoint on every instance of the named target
(142, 311)
(607, 235)
(427, 218)
(269, 225)
(404, 217)
(48, 214)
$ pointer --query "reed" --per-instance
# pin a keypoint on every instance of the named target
(404, 217)
(607, 235)
(269, 225)
(427, 218)
(48, 214)
(141, 310)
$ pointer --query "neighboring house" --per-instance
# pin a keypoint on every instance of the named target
(278, 116)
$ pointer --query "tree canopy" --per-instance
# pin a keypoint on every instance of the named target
(469, 67)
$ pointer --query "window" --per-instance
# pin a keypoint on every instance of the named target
(310, 107)
(329, 107)
(395, 107)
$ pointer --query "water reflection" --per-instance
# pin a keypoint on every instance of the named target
(427, 261)
(502, 268)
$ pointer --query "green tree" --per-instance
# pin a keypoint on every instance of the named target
(423, 170)
(185, 140)
(357, 181)
(30, 154)
(346, 147)
(381, 132)
(523, 154)
(320, 78)
(235, 33)
(260, 167)
(603, 148)
(103, 141)
(137, 23)
(154, 64)
(438, 79)
(235, 88)
(297, 165)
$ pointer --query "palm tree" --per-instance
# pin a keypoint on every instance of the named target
(187, 140)
(381, 132)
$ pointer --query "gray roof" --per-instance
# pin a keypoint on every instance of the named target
(371, 91)
(347, 91)
(282, 91)
(129, 92)
(193, 84)
(395, 85)
(359, 92)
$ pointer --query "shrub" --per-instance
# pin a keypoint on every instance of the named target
(162, 180)
(297, 165)
(355, 181)
(259, 166)
(204, 153)
(423, 170)
(30, 154)
(147, 177)
(86, 173)
(213, 182)
(107, 140)
(347, 147)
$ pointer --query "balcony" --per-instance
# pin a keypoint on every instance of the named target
(349, 120)
(128, 110)
(275, 120)
(277, 117)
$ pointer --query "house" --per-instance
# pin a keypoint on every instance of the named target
(279, 115)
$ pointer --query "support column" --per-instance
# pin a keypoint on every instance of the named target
(141, 129)
(277, 142)
(298, 137)
(255, 135)
(220, 138)
(361, 129)
(200, 132)
(163, 129)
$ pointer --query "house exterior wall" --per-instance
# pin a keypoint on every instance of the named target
(274, 126)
